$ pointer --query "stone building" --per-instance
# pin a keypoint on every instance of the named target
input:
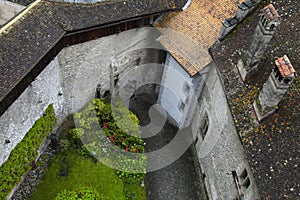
(71, 50)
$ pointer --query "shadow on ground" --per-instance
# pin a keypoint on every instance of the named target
(181, 179)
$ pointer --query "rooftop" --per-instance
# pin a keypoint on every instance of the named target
(272, 146)
(285, 67)
(27, 38)
(200, 25)
(270, 12)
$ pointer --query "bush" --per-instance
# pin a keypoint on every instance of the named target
(24, 154)
(76, 133)
(114, 124)
(81, 193)
(64, 144)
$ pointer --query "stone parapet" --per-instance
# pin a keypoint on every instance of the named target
(243, 10)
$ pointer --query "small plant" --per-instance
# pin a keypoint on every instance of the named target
(24, 154)
(81, 193)
(64, 144)
(76, 133)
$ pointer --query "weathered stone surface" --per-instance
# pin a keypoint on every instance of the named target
(221, 141)
(22, 114)
(70, 80)
(263, 34)
(8, 10)
(130, 53)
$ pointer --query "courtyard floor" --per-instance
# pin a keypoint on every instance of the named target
(181, 180)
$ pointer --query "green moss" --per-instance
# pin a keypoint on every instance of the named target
(24, 154)
(258, 104)
(74, 166)
(267, 109)
(81, 193)
(70, 170)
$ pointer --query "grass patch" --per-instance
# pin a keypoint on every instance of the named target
(70, 170)
(132, 189)
(74, 172)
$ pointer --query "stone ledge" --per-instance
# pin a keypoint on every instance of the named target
(260, 116)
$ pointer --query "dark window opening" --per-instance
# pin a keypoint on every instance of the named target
(204, 127)
(246, 183)
(244, 174)
(186, 88)
(116, 79)
(272, 27)
(244, 179)
(181, 106)
(196, 142)
(287, 80)
(237, 184)
(137, 62)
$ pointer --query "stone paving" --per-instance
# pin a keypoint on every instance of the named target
(180, 180)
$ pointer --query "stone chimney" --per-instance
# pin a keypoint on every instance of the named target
(268, 23)
(276, 86)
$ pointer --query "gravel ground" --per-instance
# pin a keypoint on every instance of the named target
(180, 180)
(30, 180)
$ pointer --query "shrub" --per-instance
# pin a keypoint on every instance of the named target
(115, 124)
(81, 193)
(21, 157)
(64, 144)
(76, 133)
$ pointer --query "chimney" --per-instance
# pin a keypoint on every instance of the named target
(267, 24)
(276, 86)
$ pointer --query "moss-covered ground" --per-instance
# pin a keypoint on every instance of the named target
(74, 169)
(71, 170)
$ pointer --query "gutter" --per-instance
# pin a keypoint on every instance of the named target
(187, 4)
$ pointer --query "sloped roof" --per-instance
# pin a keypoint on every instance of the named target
(284, 66)
(27, 38)
(200, 23)
(272, 147)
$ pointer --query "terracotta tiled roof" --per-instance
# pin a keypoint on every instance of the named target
(285, 67)
(200, 24)
(29, 36)
(270, 12)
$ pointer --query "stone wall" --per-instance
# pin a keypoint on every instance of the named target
(95, 62)
(177, 87)
(8, 10)
(70, 80)
(30, 105)
(219, 149)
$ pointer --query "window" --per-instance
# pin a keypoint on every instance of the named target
(272, 27)
(287, 80)
(137, 62)
(244, 179)
(181, 106)
(186, 88)
(196, 141)
(204, 126)
(242, 182)
(246, 183)
(116, 79)
(263, 20)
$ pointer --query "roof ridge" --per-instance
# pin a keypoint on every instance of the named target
(16, 18)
